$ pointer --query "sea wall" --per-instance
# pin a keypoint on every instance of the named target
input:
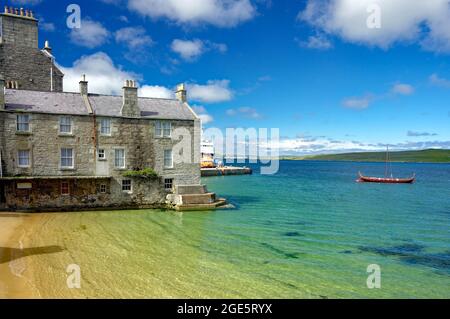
(45, 194)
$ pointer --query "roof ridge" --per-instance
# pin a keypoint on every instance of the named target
(94, 94)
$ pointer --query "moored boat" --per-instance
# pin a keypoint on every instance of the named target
(367, 179)
(386, 180)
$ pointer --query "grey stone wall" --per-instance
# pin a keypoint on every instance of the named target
(21, 60)
(19, 31)
(45, 194)
(30, 68)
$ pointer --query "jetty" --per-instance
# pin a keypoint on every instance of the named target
(226, 171)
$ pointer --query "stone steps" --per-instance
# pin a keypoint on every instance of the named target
(190, 189)
(198, 207)
(193, 197)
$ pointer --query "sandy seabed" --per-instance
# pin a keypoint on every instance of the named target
(15, 277)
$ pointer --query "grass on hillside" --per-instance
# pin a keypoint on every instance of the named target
(424, 156)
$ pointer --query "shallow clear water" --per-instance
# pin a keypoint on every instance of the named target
(309, 231)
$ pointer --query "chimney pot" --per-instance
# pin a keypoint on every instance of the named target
(21, 11)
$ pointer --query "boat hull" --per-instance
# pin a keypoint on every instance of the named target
(366, 179)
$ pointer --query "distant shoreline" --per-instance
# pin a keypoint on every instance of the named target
(359, 161)
(424, 156)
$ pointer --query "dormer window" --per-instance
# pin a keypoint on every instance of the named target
(65, 125)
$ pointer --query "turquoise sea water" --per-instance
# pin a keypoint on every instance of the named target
(309, 231)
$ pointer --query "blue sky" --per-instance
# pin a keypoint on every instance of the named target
(311, 68)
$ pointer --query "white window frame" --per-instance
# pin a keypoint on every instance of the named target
(158, 129)
(103, 188)
(129, 191)
(171, 158)
(124, 158)
(163, 129)
(67, 157)
(102, 126)
(28, 158)
(101, 154)
(69, 124)
(167, 126)
(20, 122)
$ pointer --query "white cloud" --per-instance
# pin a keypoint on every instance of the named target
(247, 112)
(425, 22)
(324, 145)
(156, 91)
(46, 26)
(438, 81)
(123, 19)
(190, 50)
(403, 89)
(91, 34)
(221, 13)
(104, 77)
(202, 113)
(318, 145)
(133, 37)
(358, 102)
(318, 42)
(213, 92)
(420, 134)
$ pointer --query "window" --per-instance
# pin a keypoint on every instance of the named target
(103, 188)
(167, 129)
(101, 154)
(23, 123)
(66, 158)
(24, 158)
(105, 126)
(126, 185)
(119, 158)
(168, 184)
(158, 129)
(65, 125)
(65, 188)
(163, 129)
(168, 159)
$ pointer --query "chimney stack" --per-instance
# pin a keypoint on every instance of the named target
(181, 93)
(2, 92)
(130, 107)
(83, 85)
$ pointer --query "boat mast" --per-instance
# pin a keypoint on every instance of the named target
(388, 163)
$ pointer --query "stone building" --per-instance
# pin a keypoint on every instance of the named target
(62, 150)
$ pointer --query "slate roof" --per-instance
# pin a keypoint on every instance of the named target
(104, 105)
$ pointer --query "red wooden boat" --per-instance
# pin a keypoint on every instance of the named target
(366, 179)
(386, 180)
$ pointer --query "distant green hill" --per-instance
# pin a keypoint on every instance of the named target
(425, 156)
